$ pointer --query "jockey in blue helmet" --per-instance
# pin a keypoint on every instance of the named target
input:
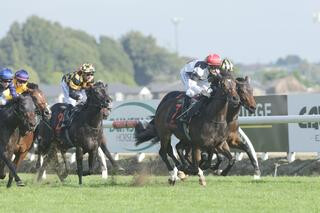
(7, 89)
(20, 81)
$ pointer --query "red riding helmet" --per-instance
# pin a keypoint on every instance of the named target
(214, 60)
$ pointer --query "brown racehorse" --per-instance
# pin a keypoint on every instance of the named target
(234, 140)
(207, 131)
(17, 113)
(22, 144)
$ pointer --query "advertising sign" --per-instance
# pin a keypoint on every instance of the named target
(304, 137)
(268, 138)
(122, 140)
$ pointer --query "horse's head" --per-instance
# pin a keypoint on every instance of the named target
(229, 87)
(245, 92)
(39, 100)
(25, 110)
(98, 95)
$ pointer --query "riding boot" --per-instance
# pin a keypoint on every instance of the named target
(185, 107)
(193, 109)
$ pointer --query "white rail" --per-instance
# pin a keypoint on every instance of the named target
(274, 119)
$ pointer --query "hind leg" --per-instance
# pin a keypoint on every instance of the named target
(180, 147)
(251, 154)
(173, 171)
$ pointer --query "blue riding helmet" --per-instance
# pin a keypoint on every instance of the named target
(22, 75)
(6, 74)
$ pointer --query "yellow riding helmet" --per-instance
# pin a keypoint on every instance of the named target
(87, 68)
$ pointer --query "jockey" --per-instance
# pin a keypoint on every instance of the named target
(74, 84)
(20, 81)
(7, 89)
(200, 78)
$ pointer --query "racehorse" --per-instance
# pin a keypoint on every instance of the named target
(234, 140)
(245, 93)
(85, 131)
(207, 130)
(17, 113)
(23, 144)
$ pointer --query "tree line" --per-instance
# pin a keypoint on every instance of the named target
(48, 50)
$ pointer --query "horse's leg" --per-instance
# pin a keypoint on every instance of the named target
(57, 166)
(225, 150)
(251, 154)
(79, 157)
(196, 157)
(2, 172)
(103, 164)
(215, 167)
(106, 151)
(173, 157)
(173, 171)
(11, 167)
(66, 171)
(180, 147)
(46, 160)
(92, 158)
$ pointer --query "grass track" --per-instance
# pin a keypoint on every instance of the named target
(153, 194)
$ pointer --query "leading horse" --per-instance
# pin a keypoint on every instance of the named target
(207, 130)
(17, 113)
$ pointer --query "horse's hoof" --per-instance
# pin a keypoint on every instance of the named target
(20, 183)
(2, 176)
(256, 177)
(217, 172)
(202, 182)
(104, 174)
(171, 182)
(182, 176)
(120, 169)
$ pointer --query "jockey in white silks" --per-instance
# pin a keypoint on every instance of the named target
(194, 76)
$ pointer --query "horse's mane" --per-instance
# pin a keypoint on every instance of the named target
(32, 86)
(99, 84)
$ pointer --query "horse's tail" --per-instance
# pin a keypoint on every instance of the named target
(145, 132)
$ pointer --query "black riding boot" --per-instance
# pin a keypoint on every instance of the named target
(185, 107)
(191, 110)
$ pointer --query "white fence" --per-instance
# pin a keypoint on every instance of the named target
(247, 120)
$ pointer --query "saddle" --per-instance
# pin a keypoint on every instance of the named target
(62, 124)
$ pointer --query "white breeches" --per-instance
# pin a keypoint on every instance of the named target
(192, 87)
(66, 97)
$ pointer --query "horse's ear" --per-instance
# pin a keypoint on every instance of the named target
(247, 78)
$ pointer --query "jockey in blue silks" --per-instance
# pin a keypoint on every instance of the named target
(7, 88)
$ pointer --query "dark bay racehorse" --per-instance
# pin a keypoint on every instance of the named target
(234, 140)
(23, 144)
(207, 131)
(17, 113)
(85, 132)
(247, 100)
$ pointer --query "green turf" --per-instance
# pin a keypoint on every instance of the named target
(153, 194)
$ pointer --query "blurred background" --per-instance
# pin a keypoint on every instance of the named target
(139, 46)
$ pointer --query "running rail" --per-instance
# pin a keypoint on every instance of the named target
(273, 119)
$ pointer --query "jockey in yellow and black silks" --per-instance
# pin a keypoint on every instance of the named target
(74, 83)
(20, 81)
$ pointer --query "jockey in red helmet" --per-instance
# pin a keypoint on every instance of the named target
(195, 75)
